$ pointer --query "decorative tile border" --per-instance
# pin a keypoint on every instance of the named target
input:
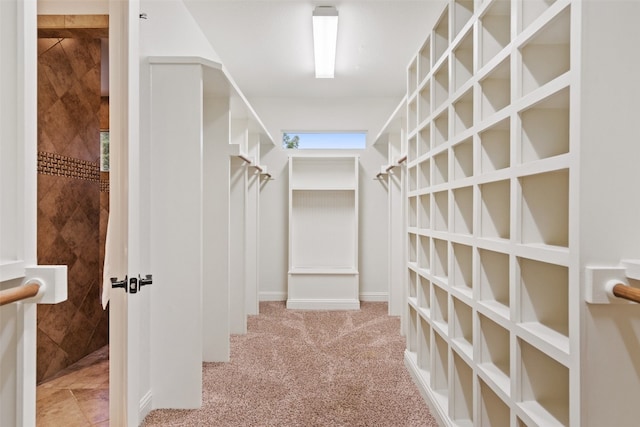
(55, 164)
(104, 185)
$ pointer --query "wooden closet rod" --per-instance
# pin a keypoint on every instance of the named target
(626, 292)
(19, 293)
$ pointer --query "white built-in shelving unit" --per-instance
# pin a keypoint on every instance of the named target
(323, 232)
(491, 328)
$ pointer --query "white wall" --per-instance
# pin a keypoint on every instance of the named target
(610, 207)
(171, 30)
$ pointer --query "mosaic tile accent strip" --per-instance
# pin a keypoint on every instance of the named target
(104, 185)
(55, 164)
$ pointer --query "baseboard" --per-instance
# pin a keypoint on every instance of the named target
(422, 382)
(365, 296)
(374, 296)
(272, 296)
(145, 405)
(323, 304)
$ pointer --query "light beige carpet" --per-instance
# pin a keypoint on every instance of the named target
(309, 368)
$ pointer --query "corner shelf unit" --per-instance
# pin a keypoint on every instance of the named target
(491, 328)
(323, 232)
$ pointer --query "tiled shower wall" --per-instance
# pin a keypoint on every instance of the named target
(69, 199)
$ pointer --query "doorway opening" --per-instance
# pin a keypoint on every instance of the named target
(73, 206)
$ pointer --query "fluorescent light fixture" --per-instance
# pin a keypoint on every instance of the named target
(325, 36)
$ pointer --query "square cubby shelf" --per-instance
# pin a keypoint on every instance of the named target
(440, 267)
(413, 284)
(463, 112)
(413, 248)
(544, 387)
(441, 168)
(440, 373)
(494, 214)
(495, 30)
(441, 36)
(424, 211)
(413, 178)
(424, 294)
(424, 252)
(532, 9)
(463, 159)
(412, 120)
(496, 90)
(462, 274)
(412, 152)
(412, 335)
(441, 211)
(546, 55)
(424, 346)
(495, 151)
(463, 61)
(424, 140)
(462, 12)
(424, 103)
(461, 409)
(462, 330)
(495, 360)
(544, 300)
(413, 212)
(545, 128)
(440, 308)
(493, 411)
(412, 77)
(545, 209)
(463, 210)
(494, 281)
(440, 85)
(441, 129)
(424, 174)
(424, 60)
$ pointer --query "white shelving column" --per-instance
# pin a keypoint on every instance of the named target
(323, 232)
(493, 264)
(391, 175)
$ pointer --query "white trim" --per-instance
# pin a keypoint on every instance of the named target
(374, 296)
(323, 304)
(272, 296)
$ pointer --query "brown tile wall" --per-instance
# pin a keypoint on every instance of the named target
(69, 199)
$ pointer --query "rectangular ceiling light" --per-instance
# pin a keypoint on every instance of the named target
(325, 36)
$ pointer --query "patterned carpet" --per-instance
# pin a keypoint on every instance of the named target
(309, 368)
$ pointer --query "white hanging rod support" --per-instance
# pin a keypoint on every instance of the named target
(245, 158)
(390, 167)
(28, 290)
(258, 167)
(268, 177)
(402, 159)
(609, 285)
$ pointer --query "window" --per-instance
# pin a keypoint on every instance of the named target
(324, 140)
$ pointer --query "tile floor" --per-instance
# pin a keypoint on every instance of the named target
(78, 396)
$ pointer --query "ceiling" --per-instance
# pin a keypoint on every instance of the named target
(267, 45)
